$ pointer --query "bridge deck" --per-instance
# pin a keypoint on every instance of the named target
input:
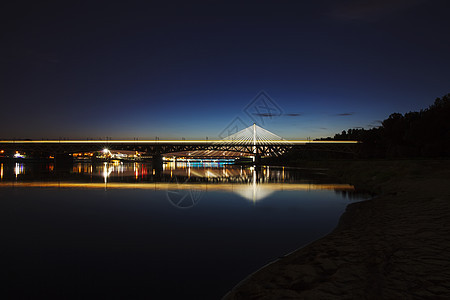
(158, 147)
(190, 142)
(253, 140)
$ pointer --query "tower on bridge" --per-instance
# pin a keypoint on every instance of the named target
(254, 136)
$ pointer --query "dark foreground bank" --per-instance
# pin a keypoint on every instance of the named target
(395, 246)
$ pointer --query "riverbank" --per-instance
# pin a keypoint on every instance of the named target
(395, 246)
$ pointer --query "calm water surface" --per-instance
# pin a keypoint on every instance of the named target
(127, 231)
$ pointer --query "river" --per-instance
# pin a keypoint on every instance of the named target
(121, 230)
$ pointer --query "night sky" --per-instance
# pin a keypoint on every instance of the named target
(130, 69)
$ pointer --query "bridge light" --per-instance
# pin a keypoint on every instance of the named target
(105, 151)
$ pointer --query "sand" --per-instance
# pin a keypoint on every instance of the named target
(394, 246)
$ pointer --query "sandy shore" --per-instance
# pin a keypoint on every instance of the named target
(395, 246)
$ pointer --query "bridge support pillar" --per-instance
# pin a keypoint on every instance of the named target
(157, 162)
(257, 159)
(63, 160)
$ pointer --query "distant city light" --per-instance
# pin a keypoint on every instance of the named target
(18, 155)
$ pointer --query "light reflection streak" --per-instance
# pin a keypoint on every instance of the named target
(138, 170)
(1, 172)
(18, 169)
(239, 174)
(186, 186)
(107, 170)
(254, 185)
(251, 183)
(82, 168)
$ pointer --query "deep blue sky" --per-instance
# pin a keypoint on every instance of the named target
(132, 69)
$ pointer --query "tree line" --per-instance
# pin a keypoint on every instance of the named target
(425, 133)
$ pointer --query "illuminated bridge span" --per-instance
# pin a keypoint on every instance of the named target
(253, 141)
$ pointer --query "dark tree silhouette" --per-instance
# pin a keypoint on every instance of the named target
(415, 134)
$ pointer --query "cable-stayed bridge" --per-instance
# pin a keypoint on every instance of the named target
(252, 141)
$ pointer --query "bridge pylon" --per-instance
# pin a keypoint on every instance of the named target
(257, 140)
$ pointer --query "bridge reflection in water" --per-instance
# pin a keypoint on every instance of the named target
(253, 183)
(60, 223)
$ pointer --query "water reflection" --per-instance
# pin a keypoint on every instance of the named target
(18, 169)
(112, 170)
(227, 173)
(138, 230)
(255, 191)
(107, 170)
(250, 183)
(210, 172)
